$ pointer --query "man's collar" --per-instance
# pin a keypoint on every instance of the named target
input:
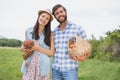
(68, 25)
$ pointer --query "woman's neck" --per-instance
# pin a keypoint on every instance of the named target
(41, 28)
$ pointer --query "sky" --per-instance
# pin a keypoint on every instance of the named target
(95, 16)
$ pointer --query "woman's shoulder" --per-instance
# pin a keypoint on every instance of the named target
(29, 32)
(29, 29)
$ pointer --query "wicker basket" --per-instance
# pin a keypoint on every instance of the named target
(78, 47)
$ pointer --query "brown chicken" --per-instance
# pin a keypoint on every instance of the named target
(28, 44)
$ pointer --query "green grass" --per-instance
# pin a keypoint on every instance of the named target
(91, 69)
(10, 64)
(99, 70)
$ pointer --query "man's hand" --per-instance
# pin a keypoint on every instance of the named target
(80, 58)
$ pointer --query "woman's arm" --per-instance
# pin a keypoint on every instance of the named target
(49, 52)
(22, 48)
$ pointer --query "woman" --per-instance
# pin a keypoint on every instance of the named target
(37, 66)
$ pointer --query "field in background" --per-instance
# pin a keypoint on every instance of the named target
(10, 63)
(91, 69)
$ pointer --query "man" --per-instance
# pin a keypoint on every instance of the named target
(64, 67)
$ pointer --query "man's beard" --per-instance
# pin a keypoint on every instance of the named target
(65, 18)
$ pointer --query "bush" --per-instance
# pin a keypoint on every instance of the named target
(10, 42)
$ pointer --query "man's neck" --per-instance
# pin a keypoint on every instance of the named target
(63, 25)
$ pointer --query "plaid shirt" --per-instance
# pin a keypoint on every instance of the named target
(62, 60)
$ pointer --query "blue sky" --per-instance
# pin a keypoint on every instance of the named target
(95, 16)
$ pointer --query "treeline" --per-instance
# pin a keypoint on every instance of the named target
(10, 42)
(107, 48)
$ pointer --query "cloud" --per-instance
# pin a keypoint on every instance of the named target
(96, 16)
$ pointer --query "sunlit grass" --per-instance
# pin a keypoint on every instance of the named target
(99, 70)
(91, 69)
(10, 63)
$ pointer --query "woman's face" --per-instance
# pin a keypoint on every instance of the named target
(44, 18)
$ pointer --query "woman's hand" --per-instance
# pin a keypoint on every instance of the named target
(22, 48)
(26, 63)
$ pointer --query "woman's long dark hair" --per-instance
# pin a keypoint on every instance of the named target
(47, 32)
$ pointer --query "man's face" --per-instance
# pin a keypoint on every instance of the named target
(60, 15)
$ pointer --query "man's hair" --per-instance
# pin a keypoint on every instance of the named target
(56, 7)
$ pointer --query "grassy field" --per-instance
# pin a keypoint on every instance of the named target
(91, 69)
